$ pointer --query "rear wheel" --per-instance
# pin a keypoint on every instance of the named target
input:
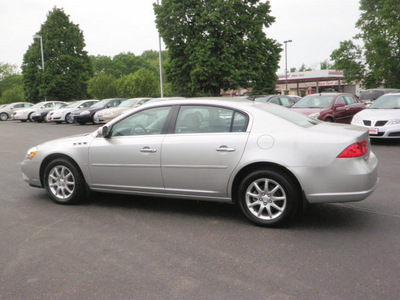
(268, 198)
(329, 120)
(3, 116)
(64, 182)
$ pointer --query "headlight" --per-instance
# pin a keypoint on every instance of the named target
(314, 115)
(31, 153)
(393, 122)
(357, 121)
(86, 112)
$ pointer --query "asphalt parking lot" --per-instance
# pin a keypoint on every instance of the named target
(122, 247)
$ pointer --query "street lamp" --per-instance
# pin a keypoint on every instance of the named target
(41, 50)
(288, 41)
(160, 63)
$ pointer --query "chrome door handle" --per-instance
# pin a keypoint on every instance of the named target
(225, 149)
(148, 150)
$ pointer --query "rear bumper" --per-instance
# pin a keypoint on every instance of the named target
(345, 180)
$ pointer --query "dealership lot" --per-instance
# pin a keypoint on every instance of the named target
(150, 248)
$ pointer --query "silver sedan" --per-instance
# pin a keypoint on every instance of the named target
(266, 158)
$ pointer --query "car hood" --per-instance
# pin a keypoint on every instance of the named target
(308, 111)
(375, 114)
(67, 140)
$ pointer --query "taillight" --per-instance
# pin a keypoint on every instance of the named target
(355, 150)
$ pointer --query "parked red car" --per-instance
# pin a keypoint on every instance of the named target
(330, 107)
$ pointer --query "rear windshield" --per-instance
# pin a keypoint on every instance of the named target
(290, 115)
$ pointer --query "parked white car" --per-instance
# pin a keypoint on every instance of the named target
(266, 158)
(63, 114)
(26, 114)
(7, 110)
(382, 117)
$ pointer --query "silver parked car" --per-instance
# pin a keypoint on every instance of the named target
(64, 114)
(6, 111)
(264, 157)
(26, 114)
(382, 117)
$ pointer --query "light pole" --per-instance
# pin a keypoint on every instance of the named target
(41, 50)
(288, 41)
(160, 63)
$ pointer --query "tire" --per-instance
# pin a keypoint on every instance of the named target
(30, 117)
(3, 116)
(68, 119)
(271, 205)
(64, 182)
(329, 120)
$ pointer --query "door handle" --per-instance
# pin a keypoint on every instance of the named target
(148, 150)
(225, 149)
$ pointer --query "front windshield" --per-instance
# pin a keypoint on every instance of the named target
(386, 102)
(100, 104)
(38, 105)
(73, 105)
(315, 102)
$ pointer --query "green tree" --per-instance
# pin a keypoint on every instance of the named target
(102, 64)
(67, 66)
(10, 84)
(14, 94)
(214, 44)
(378, 61)
(121, 64)
(348, 58)
(102, 86)
(142, 83)
(304, 68)
(325, 65)
(7, 70)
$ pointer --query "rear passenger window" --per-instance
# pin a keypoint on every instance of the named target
(209, 119)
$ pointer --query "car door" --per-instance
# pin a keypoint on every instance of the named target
(340, 112)
(129, 158)
(206, 144)
(354, 107)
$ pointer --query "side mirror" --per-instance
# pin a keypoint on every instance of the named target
(103, 131)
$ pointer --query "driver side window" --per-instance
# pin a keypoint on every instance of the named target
(146, 122)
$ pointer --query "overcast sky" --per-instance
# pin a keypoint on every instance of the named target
(113, 26)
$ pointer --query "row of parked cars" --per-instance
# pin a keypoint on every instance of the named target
(82, 112)
(382, 117)
(379, 110)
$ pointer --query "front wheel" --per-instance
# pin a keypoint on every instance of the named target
(3, 117)
(69, 119)
(268, 198)
(64, 182)
(30, 117)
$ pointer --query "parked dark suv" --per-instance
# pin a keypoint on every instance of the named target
(368, 96)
